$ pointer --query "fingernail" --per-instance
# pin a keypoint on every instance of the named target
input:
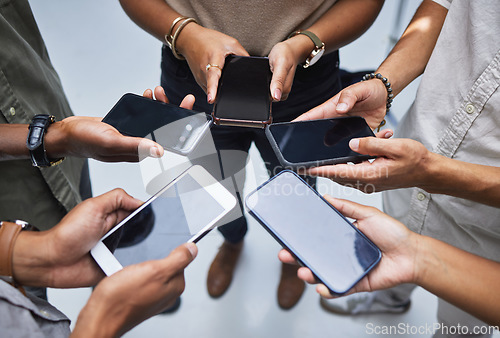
(277, 94)
(388, 134)
(193, 249)
(342, 106)
(209, 98)
(154, 152)
(354, 144)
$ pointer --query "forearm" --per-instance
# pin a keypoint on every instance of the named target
(461, 278)
(479, 183)
(410, 55)
(154, 16)
(13, 141)
(345, 22)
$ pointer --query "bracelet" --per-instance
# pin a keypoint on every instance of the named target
(176, 35)
(388, 88)
(168, 36)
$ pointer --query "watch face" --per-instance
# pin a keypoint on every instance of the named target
(315, 56)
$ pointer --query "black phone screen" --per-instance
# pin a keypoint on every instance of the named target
(244, 92)
(315, 232)
(319, 140)
(173, 127)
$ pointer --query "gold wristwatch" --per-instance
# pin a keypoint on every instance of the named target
(317, 52)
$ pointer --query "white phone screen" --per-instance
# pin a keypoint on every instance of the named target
(176, 214)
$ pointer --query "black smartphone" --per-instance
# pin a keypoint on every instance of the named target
(243, 96)
(175, 128)
(305, 144)
(319, 236)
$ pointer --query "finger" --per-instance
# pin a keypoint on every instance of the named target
(188, 102)
(324, 292)
(375, 146)
(213, 75)
(160, 94)
(345, 173)
(180, 258)
(127, 146)
(347, 99)
(280, 70)
(351, 209)
(323, 111)
(306, 275)
(286, 257)
(112, 204)
(148, 93)
(386, 133)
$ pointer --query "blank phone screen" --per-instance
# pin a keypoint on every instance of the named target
(172, 218)
(318, 140)
(244, 92)
(337, 253)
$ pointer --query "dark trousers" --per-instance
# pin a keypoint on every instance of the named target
(311, 87)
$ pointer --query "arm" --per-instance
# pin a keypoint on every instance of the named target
(406, 62)
(84, 137)
(343, 23)
(199, 45)
(60, 258)
(404, 163)
(461, 278)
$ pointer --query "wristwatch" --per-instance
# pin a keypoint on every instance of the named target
(9, 230)
(317, 52)
(34, 142)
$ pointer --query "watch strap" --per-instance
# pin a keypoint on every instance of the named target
(35, 140)
(314, 38)
(8, 235)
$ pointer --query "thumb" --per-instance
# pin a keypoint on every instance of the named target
(373, 146)
(347, 99)
(181, 257)
(146, 147)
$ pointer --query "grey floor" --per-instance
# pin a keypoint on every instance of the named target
(100, 55)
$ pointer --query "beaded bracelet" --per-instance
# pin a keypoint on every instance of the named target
(388, 87)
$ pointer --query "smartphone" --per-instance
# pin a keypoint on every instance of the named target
(243, 96)
(319, 236)
(183, 211)
(174, 128)
(305, 144)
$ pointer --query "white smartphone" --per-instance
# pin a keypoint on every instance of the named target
(183, 211)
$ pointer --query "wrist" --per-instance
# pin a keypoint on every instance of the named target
(56, 140)
(96, 320)
(424, 260)
(29, 259)
(301, 47)
(187, 36)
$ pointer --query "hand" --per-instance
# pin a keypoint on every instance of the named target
(367, 99)
(202, 46)
(60, 257)
(398, 245)
(283, 59)
(401, 163)
(134, 294)
(89, 137)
